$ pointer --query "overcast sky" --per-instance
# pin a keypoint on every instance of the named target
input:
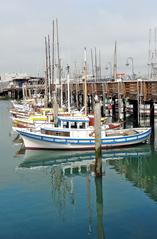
(82, 23)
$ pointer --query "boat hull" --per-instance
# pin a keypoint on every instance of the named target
(41, 141)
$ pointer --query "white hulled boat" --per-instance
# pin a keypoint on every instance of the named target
(75, 133)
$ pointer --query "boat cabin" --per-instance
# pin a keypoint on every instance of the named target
(73, 122)
(71, 126)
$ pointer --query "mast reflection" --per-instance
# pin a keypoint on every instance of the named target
(138, 164)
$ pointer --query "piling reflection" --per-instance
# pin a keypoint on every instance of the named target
(88, 186)
(99, 207)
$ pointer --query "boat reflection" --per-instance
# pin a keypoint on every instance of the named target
(135, 163)
(41, 158)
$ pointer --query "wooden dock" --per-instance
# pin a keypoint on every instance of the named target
(146, 90)
(131, 89)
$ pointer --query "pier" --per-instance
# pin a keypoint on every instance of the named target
(114, 93)
(132, 89)
(146, 90)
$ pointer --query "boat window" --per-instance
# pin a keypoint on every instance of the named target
(82, 125)
(74, 125)
(60, 133)
(65, 124)
(55, 133)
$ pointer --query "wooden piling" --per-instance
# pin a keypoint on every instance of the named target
(135, 114)
(124, 113)
(55, 109)
(113, 109)
(23, 92)
(97, 126)
(152, 120)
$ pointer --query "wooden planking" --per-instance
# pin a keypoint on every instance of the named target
(130, 89)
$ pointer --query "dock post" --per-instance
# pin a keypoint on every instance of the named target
(55, 109)
(88, 104)
(124, 113)
(97, 126)
(104, 104)
(135, 114)
(113, 109)
(102, 107)
(92, 102)
(152, 120)
(23, 92)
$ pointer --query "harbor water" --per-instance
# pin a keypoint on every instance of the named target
(46, 194)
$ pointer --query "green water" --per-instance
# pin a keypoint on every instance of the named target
(46, 194)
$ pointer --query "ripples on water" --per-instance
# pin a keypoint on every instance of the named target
(46, 194)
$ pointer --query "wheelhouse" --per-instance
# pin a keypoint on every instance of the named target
(73, 122)
(69, 127)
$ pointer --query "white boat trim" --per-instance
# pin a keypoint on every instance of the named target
(42, 141)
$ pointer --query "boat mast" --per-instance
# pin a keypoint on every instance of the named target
(115, 62)
(96, 71)
(59, 61)
(155, 58)
(155, 52)
(53, 85)
(68, 84)
(46, 74)
(49, 66)
(149, 56)
(99, 65)
(85, 80)
(92, 64)
(93, 76)
(76, 84)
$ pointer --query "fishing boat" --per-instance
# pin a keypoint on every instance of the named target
(46, 116)
(76, 134)
(32, 122)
